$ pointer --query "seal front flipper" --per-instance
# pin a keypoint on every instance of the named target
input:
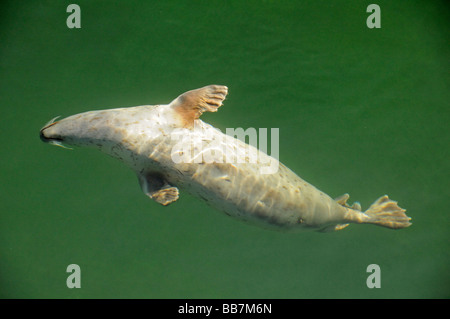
(165, 196)
(155, 187)
(192, 104)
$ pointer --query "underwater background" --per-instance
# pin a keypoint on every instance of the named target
(359, 110)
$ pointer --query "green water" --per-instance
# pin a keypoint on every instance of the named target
(363, 111)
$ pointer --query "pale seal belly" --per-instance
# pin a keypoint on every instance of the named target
(170, 148)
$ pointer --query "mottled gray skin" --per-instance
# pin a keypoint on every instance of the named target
(143, 138)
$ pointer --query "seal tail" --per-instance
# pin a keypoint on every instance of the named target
(385, 212)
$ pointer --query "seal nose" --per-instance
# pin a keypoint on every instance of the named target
(46, 137)
(42, 136)
(48, 133)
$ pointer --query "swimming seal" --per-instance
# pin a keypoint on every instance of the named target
(153, 140)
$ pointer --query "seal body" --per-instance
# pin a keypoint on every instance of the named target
(170, 148)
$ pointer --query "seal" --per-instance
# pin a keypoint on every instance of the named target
(142, 137)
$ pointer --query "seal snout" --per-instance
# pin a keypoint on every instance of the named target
(47, 133)
(45, 138)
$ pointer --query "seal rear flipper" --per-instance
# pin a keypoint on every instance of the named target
(385, 212)
(333, 228)
(155, 187)
(342, 200)
(190, 105)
